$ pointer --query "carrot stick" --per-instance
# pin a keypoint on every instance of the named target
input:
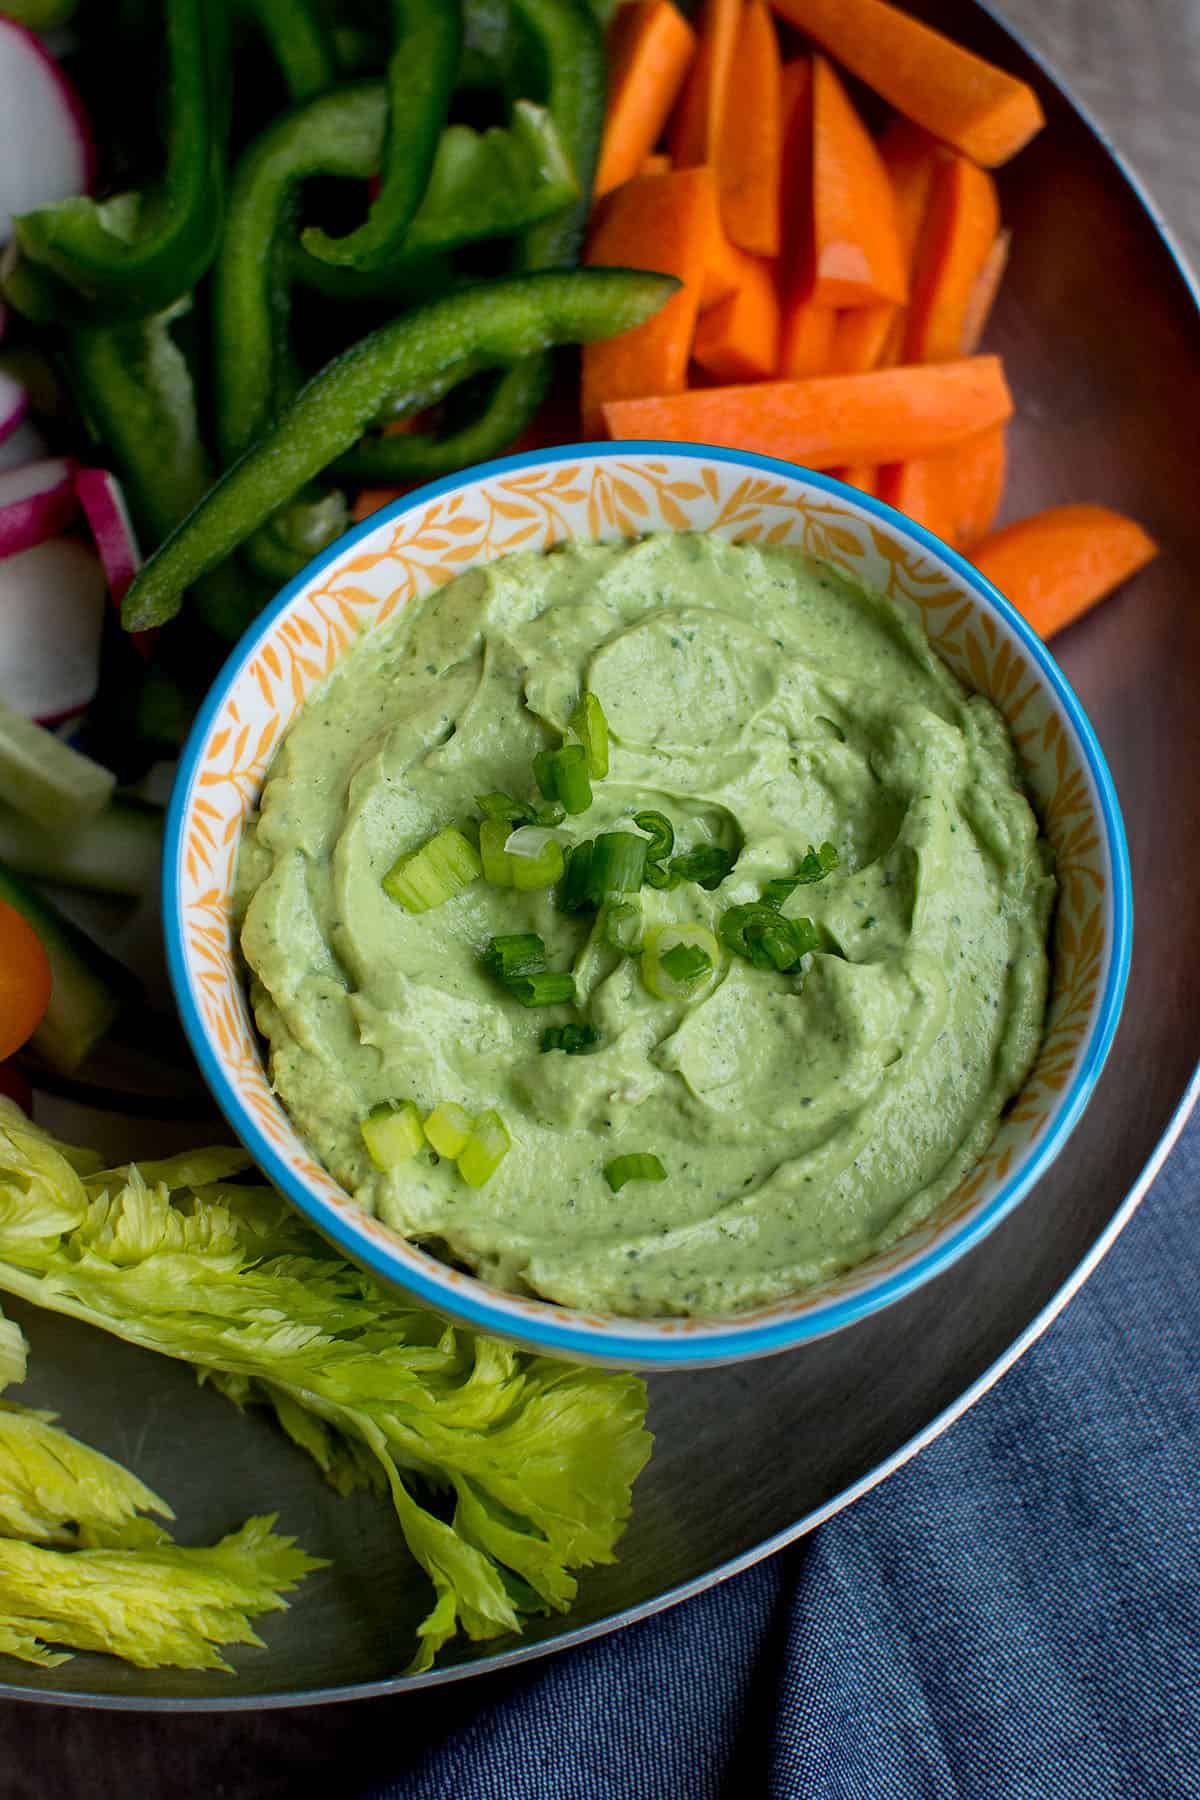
(657, 163)
(864, 476)
(832, 419)
(955, 494)
(1057, 564)
(723, 262)
(960, 229)
(695, 133)
(983, 294)
(660, 222)
(750, 150)
(739, 339)
(857, 255)
(867, 336)
(984, 112)
(650, 46)
(806, 337)
(860, 337)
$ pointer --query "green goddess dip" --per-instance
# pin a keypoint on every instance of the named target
(764, 704)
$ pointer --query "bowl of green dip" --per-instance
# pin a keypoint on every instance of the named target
(649, 901)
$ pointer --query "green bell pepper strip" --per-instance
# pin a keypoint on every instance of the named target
(136, 392)
(436, 347)
(391, 461)
(138, 253)
(571, 50)
(300, 41)
(134, 387)
(292, 537)
(422, 71)
(40, 15)
(336, 134)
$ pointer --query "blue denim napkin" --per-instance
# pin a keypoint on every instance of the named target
(1015, 1614)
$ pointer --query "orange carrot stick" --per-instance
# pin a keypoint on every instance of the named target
(660, 222)
(723, 262)
(955, 494)
(1057, 564)
(864, 476)
(695, 133)
(833, 419)
(867, 336)
(739, 339)
(806, 338)
(857, 256)
(960, 229)
(650, 46)
(860, 337)
(984, 112)
(749, 153)
(983, 294)
(657, 163)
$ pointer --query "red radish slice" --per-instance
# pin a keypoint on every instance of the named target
(104, 507)
(24, 445)
(48, 150)
(13, 403)
(51, 616)
(108, 516)
(36, 501)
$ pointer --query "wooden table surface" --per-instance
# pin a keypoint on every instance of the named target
(1135, 64)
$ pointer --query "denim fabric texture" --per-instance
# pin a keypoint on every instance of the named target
(1014, 1615)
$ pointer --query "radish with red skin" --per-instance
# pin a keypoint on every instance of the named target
(14, 402)
(48, 149)
(36, 501)
(107, 515)
(52, 603)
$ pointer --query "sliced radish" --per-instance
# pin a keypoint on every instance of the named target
(36, 501)
(24, 445)
(51, 617)
(48, 150)
(13, 403)
(104, 506)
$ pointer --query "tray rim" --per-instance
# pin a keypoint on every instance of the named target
(1083, 1270)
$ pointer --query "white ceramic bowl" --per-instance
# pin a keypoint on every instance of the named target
(607, 491)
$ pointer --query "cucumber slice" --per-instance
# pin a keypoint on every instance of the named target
(88, 989)
(118, 852)
(44, 778)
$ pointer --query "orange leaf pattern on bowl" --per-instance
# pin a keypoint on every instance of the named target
(407, 556)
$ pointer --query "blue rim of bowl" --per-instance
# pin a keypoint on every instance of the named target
(724, 1341)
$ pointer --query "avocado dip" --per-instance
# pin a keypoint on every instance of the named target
(764, 705)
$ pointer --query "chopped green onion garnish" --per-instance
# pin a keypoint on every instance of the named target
(562, 775)
(575, 893)
(660, 831)
(814, 867)
(661, 875)
(549, 812)
(448, 1128)
(485, 1149)
(678, 959)
(640, 1165)
(686, 963)
(536, 856)
(618, 864)
(392, 1133)
(591, 728)
(707, 865)
(497, 864)
(433, 874)
(575, 1040)
(517, 953)
(552, 987)
(623, 926)
(503, 806)
(765, 938)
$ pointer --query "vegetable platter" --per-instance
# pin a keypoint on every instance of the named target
(99, 328)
